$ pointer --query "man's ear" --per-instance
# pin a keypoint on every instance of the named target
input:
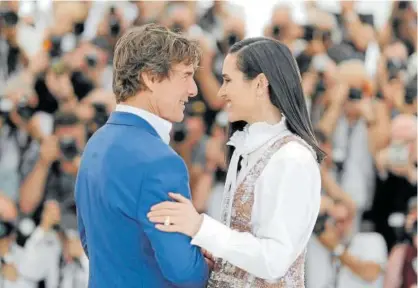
(149, 80)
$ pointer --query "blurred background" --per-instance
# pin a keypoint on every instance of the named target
(358, 63)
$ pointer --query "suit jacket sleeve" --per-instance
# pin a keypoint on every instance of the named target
(180, 262)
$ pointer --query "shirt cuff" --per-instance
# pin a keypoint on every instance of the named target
(212, 236)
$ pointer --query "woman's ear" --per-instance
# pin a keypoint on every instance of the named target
(262, 84)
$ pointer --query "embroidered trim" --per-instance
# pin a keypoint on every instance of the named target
(236, 213)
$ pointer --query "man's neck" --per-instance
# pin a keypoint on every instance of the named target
(141, 102)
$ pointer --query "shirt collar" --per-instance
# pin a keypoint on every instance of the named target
(162, 126)
(256, 135)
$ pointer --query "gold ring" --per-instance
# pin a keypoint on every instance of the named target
(167, 221)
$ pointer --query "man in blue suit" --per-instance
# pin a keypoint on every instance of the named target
(127, 167)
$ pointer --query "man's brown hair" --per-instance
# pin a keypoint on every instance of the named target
(153, 49)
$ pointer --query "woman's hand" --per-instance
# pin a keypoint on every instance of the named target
(180, 216)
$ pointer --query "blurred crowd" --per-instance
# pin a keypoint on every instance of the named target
(359, 80)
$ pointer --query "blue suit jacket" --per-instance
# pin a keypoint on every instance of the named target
(125, 169)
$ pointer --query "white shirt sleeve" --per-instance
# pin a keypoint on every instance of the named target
(287, 200)
(40, 253)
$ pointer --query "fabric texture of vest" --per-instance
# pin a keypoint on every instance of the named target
(237, 215)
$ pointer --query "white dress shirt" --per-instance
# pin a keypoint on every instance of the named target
(322, 272)
(37, 260)
(76, 274)
(162, 126)
(285, 209)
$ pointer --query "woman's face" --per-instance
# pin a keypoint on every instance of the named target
(239, 93)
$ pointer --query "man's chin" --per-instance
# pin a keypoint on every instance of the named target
(174, 118)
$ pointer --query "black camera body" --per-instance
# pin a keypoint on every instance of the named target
(179, 132)
(276, 31)
(68, 147)
(8, 18)
(6, 228)
(114, 24)
(394, 66)
(177, 27)
(100, 114)
(24, 110)
(320, 224)
(410, 93)
(355, 94)
(91, 60)
(55, 50)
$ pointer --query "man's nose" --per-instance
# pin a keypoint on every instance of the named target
(192, 89)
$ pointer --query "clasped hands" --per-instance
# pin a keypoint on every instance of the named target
(180, 217)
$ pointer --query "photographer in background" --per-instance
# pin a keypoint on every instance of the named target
(17, 106)
(401, 25)
(402, 263)
(209, 76)
(282, 26)
(397, 174)
(340, 257)
(28, 255)
(75, 269)
(317, 38)
(349, 122)
(12, 58)
(53, 174)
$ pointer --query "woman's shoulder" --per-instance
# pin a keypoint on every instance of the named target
(295, 150)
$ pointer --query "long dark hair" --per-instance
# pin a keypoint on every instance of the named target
(263, 55)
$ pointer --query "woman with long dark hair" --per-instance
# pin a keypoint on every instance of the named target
(272, 191)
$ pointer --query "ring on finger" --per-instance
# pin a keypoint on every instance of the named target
(167, 221)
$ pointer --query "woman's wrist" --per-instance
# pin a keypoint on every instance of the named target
(198, 225)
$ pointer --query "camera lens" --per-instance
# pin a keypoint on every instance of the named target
(232, 39)
(68, 148)
(180, 132)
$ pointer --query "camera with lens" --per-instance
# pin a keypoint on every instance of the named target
(179, 132)
(320, 224)
(55, 50)
(114, 23)
(177, 27)
(78, 28)
(6, 229)
(8, 19)
(411, 92)
(309, 33)
(24, 110)
(68, 147)
(394, 66)
(402, 5)
(355, 94)
(91, 60)
(100, 114)
(232, 38)
(276, 31)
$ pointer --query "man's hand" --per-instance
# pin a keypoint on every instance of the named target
(9, 272)
(366, 109)
(329, 238)
(210, 260)
(49, 150)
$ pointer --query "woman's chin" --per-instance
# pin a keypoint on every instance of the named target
(232, 118)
